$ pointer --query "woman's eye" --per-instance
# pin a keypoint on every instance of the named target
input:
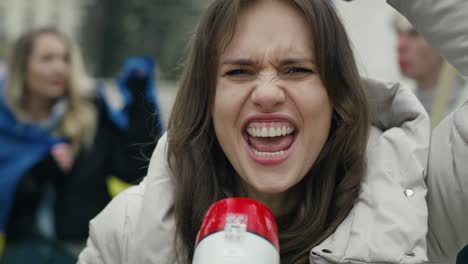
(298, 70)
(47, 58)
(66, 59)
(239, 72)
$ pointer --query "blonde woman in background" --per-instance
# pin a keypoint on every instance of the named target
(45, 70)
(57, 147)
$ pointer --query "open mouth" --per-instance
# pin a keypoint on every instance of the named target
(270, 142)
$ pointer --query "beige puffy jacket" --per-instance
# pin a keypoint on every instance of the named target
(393, 221)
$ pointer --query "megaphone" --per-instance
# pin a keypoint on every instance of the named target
(237, 230)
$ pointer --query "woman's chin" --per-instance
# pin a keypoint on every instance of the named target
(269, 188)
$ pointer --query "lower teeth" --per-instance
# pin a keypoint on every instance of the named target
(268, 154)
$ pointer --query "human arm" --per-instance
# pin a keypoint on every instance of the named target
(62, 154)
(121, 151)
(444, 25)
(130, 145)
(448, 186)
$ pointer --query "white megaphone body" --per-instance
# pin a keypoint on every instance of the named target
(237, 230)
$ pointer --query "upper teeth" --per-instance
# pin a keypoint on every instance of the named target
(269, 131)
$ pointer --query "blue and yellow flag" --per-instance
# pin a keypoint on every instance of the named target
(22, 145)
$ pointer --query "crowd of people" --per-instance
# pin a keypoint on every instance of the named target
(271, 107)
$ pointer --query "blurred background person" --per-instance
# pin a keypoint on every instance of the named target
(132, 96)
(437, 85)
(59, 143)
(132, 105)
(45, 124)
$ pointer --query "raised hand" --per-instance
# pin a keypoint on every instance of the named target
(62, 154)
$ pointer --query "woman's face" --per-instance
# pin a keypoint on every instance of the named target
(272, 114)
(47, 70)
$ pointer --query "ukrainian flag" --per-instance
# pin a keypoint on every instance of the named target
(22, 146)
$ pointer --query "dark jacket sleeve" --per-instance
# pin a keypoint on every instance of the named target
(131, 149)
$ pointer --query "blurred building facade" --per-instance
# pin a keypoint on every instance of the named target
(370, 29)
(115, 29)
(18, 16)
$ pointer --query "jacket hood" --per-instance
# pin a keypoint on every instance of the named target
(388, 221)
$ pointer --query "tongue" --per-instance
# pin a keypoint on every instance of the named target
(273, 144)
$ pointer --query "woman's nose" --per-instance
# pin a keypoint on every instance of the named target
(402, 42)
(268, 96)
(60, 67)
(60, 64)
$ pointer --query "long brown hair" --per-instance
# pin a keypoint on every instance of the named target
(78, 124)
(204, 175)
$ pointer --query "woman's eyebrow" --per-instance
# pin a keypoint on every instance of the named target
(297, 60)
(240, 61)
(249, 62)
